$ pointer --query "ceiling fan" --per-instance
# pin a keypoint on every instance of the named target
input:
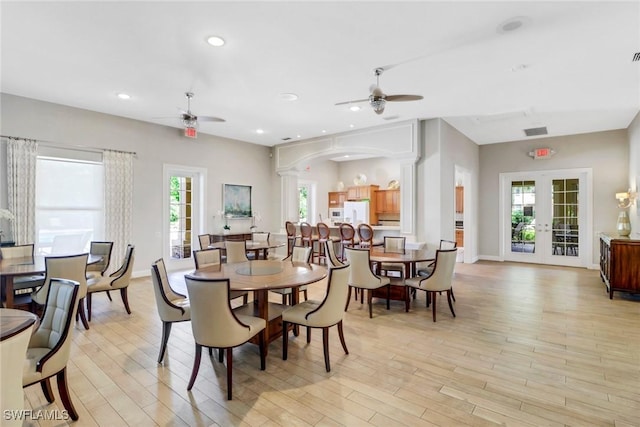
(190, 120)
(378, 99)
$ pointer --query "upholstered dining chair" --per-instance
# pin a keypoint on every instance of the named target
(324, 235)
(290, 228)
(71, 267)
(236, 251)
(103, 250)
(216, 325)
(264, 236)
(395, 245)
(118, 280)
(22, 285)
(321, 314)
(439, 280)
(332, 257)
(299, 254)
(204, 240)
(362, 277)
(50, 345)
(347, 237)
(209, 257)
(428, 270)
(172, 306)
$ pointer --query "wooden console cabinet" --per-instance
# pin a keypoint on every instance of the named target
(620, 263)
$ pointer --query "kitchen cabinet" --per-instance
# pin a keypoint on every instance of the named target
(361, 192)
(620, 264)
(337, 199)
(460, 238)
(388, 201)
(459, 199)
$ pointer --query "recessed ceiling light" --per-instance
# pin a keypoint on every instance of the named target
(259, 131)
(324, 131)
(298, 136)
(216, 41)
(352, 126)
(288, 96)
(513, 24)
(346, 156)
(354, 108)
(124, 96)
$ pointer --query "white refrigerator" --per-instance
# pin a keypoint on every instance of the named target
(356, 213)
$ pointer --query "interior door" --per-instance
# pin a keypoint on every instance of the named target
(545, 217)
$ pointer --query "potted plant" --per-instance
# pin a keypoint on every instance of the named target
(226, 229)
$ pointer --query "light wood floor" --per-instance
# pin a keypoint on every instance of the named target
(532, 345)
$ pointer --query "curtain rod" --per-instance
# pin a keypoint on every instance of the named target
(59, 145)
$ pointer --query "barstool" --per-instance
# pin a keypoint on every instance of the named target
(323, 236)
(291, 236)
(347, 238)
(306, 237)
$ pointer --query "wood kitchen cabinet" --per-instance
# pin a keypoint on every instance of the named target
(361, 192)
(620, 264)
(460, 238)
(337, 199)
(388, 201)
(459, 199)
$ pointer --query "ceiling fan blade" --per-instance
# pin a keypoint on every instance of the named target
(210, 119)
(353, 102)
(400, 98)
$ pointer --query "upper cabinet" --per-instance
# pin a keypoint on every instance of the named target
(459, 199)
(361, 192)
(337, 199)
(388, 201)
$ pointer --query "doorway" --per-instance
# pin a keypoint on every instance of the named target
(547, 217)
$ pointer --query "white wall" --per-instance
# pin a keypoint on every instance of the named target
(226, 161)
(605, 152)
(634, 174)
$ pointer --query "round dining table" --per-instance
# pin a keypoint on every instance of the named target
(25, 266)
(409, 258)
(255, 246)
(261, 276)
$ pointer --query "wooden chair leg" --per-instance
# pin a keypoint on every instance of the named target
(308, 335)
(125, 299)
(210, 351)
(342, 341)
(245, 299)
(285, 339)
(166, 331)
(263, 350)
(449, 295)
(82, 314)
(452, 295)
(220, 355)
(346, 307)
(63, 389)
(388, 297)
(229, 372)
(46, 390)
(433, 306)
(196, 366)
(88, 298)
(305, 294)
(325, 346)
(109, 296)
(284, 299)
(370, 301)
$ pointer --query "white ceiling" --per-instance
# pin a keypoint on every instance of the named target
(569, 67)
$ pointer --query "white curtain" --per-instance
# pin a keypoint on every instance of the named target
(21, 179)
(118, 190)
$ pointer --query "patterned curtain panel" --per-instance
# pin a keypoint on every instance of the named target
(21, 179)
(118, 204)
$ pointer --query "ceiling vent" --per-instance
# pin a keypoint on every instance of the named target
(286, 138)
(536, 131)
(636, 57)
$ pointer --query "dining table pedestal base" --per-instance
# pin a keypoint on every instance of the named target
(396, 291)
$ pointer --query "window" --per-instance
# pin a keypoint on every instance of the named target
(306, 201)
(69, 203)
(180, 216)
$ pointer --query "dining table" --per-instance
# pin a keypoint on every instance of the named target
(255, 246)
(261, 276)
(11, 268)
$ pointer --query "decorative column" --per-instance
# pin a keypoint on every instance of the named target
(408, 206)
(289, 204)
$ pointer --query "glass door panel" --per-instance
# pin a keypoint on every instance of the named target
(523, 211)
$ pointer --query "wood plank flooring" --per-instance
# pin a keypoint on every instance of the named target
(531, 345)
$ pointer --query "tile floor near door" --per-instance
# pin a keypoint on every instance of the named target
(531, 345)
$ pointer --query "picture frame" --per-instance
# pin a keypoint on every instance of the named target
(237, 201)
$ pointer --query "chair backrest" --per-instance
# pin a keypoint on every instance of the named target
(323, 231)
(365, 234)
(213, 321)
(331, 309)
(204, 240)
(207, 257)
(102, 249)
(236, 251)
(361, 274)
(164, 292)
(72, 267)
(394, 244)
(330, 250)
(290, 228)
(440, 279)
(21, 251)
(54, 332)
(448, 244)
(306, 230)
(301, 254)
(122, 277)
(347, 232)
(260, 236)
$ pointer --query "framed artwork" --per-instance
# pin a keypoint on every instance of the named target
(237, 201)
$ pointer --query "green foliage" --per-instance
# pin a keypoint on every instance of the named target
(303, 203)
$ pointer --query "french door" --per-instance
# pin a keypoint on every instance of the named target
(546, 217)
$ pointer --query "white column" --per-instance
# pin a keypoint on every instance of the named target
(289, 203)
(408, 199)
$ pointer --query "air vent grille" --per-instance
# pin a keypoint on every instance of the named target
(286, 138)
(536, 131)
(636, 56)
